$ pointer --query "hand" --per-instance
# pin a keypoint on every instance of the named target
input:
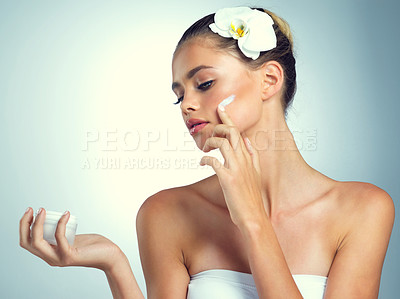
(240, 176)
(88, 250)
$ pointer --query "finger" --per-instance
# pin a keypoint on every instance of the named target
(223, 115)
(229, 132)
(37, 241)
(214, 163)
(254, 155)
(39, 246)
(224, 147)
(37, 227)
(61, 239)
(25, 228)
(221, 143)
(235, 137)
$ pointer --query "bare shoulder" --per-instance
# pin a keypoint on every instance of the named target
(163, 213)
(177, 201)
(162, 202)
(161, 225)
(366, 216)
(365, 201)
(169, 204)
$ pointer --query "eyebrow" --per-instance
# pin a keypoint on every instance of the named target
(191, 73)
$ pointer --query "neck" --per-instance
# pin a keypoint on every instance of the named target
(285, 176)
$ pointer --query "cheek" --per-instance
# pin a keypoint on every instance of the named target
(242, 89)
(238, 84)
(246, 109)
(245, 114)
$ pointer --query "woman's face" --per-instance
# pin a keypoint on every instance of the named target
(203, 77)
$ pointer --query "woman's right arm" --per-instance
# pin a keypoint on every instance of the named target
(161, 235)
(88, 250)
(122, 281)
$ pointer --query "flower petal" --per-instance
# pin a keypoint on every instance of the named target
(224, 16)
(246, 52)
(223, 33)
(261, 35)
(251, 54)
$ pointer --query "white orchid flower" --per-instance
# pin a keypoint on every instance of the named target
(252, 28)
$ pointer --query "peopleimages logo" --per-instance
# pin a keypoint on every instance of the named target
(135, 140)
(163, 149)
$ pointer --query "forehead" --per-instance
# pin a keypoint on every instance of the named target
(195, 53)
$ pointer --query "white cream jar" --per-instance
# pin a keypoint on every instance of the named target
(50, 225)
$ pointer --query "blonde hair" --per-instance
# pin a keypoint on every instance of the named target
(282, 24)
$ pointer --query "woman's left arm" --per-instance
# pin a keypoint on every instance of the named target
(357, 266)
(240, 180)
(356, 269)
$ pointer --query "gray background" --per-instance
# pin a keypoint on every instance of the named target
(74, 70)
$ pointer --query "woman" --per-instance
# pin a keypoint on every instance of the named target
(264, 212)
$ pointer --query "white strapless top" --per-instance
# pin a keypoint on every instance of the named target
(221, 283)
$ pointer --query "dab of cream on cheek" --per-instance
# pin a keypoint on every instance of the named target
(50, 226)
(227, 101)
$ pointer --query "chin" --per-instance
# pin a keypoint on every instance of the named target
(200, 144)
(208, 150)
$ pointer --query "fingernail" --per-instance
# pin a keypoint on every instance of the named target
(27, 210)
(65, 213)
(248, 141)
(220, 107)
(227, 101)
(39, 211)
(249, 144)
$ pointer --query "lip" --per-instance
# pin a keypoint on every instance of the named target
(200, 124)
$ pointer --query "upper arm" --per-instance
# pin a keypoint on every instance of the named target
(160, 237)
(356, 269)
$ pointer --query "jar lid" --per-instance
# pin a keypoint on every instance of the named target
(55, 216)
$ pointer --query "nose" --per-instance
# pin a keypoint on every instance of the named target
(189, 103)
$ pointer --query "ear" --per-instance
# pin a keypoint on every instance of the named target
(272, 79)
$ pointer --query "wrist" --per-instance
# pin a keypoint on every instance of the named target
(116, 263)
(122, 282)
(255, 227)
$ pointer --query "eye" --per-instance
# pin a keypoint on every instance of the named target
(205, 85)
(179, 100)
